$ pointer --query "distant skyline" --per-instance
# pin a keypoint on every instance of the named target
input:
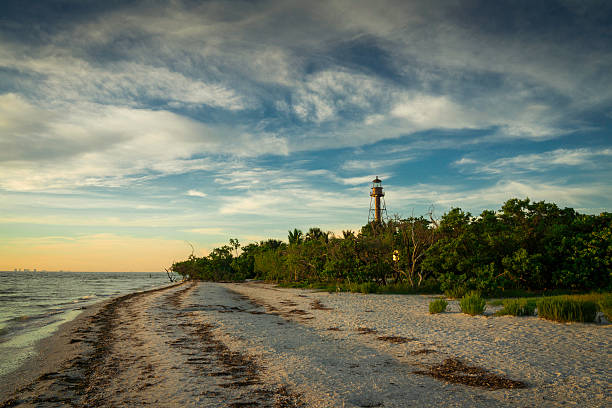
(130, 128)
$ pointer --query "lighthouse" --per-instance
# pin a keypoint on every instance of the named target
(377, 198)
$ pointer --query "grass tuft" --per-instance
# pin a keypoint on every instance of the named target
(455, 293)
(438, 306)
(605, 306)
(517, 307)
(472, 304)
(368, 287)
(567, 308)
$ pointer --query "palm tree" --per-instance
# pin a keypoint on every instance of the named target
(315, 233)
(295, 236)
(348, 234)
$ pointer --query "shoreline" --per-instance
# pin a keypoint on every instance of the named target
(58, 348)
(253, 344)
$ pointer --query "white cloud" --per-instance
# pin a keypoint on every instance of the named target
(321, 96)
(465, 160)
(427, 111)
(253, 203)
(232, 52)
(446, 196)
(538, 162)
(196, 193)
(242, 176)
(207, 231)
(69, 80)
(435, 42)
(98, 145)
(382, 163)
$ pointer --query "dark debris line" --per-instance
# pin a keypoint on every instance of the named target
(79, 382)
(73, 384)
(238, 371)
(457, 372)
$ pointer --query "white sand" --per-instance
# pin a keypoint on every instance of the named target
(219, 345)
(563, 364)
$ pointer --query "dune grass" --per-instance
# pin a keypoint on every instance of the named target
(437, 306)
(563, 308)
(605, 305)
(568, 308)
(365, 287)
(517, 307)
(472, 304)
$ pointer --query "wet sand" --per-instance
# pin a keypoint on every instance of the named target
(255, 345)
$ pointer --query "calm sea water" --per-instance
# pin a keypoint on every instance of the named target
(34, 304)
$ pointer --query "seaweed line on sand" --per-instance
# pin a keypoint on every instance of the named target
(395, 339)
(317, 305)
(365, 330)
(242, 371)
(75, 379)
(457, 372)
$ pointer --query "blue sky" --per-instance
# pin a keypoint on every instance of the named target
(130, 127)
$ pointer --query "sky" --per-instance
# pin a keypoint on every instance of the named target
(132, 129)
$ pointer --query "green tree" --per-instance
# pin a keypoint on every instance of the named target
(295, 237)
(234, 244)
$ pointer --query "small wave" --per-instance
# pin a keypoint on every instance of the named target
(27, 327)
(87, 297)
(25, 318)
(16, 297)
(84, 298)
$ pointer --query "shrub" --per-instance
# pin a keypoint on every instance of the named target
(438, 306)
(456, 292)
(517, 307)
(567, 309)
(472, 304)
(368, 287)
(605, 306)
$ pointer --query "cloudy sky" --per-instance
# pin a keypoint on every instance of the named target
(129, 128)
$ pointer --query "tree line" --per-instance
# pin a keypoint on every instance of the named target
(533, 246)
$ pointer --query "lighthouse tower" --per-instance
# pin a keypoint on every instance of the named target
(377, 197)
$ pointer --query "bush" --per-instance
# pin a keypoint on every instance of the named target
(438, 306)
(472, 304)
(605, 306)
(456, 292)
(517, 307)
(368, 287)
(567, 309)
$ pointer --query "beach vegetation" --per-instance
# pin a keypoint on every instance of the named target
(517, 307)
(438, 306)
(567, 309)
(605, 305)
(523, 249)
(472, 303)
(455, 292)
(368, 287)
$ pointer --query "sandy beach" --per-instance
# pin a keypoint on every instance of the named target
(253, 344)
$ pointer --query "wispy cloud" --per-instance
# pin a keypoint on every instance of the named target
(133, 115)
(196, 193)
(538, 162)
(383, 163)
(110, 146)
(207, 231)
(443, 197)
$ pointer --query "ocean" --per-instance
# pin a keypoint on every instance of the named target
(34, 304)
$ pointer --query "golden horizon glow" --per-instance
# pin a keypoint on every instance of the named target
(112, 252)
